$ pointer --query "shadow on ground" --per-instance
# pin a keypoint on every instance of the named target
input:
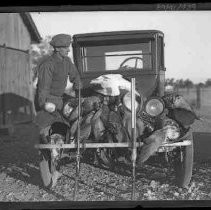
(19, 158)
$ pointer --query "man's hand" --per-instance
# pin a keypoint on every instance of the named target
(50, 107)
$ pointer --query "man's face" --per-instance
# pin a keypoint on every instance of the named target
(63, 51)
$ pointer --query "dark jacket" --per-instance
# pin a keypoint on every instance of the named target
(52, 79)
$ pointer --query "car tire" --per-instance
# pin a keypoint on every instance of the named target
(183, 165)
(46, 168)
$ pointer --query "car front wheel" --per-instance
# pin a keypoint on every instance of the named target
(47, 167)
(183, 165)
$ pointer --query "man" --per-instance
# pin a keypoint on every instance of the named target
(53, 73)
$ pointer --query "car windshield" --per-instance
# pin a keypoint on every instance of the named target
(135, 56)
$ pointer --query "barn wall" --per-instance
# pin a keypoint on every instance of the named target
(13, 32)
(15, 86)
(15, 76)
(15, 70)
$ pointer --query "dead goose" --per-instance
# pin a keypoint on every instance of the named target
(110, 84)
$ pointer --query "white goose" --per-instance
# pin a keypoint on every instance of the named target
(111, 84)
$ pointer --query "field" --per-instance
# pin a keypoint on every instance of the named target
(205, 99)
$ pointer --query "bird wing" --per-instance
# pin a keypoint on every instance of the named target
(180, 102)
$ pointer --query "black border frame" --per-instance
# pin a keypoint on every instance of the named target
(153, 5)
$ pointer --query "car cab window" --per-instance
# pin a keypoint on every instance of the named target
(110, 57)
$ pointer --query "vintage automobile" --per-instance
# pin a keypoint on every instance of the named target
(163, 120)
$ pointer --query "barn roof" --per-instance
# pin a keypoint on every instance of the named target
(28, 21)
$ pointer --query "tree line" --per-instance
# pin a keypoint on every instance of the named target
(187, 83)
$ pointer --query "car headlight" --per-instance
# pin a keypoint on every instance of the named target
(67, 110)
(154, 107)
(127, 101)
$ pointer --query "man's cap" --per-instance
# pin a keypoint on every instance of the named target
(61, 40)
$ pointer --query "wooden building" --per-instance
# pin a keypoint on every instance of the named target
(17, 33)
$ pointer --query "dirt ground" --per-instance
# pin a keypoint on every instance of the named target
(20, 177)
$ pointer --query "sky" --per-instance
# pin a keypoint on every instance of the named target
(187, 34)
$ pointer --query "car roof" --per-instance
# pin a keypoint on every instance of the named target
(116, 35)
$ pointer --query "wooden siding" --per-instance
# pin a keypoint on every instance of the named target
(16, 92)
(15, 72)
(13, 32)
(15, 86)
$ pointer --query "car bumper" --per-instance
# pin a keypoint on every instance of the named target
(170, 146)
